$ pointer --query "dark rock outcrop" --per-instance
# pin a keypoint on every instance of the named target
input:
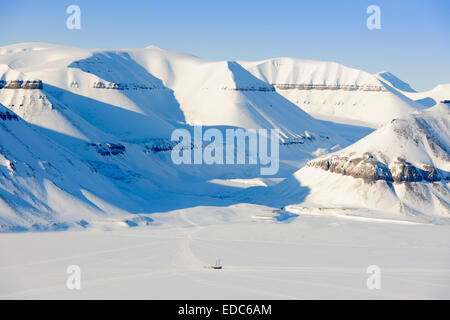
(370, 169)
(8, 116)
(122, 86)
(108, 149)
(20, 84)
(252, 88)
(290, 86)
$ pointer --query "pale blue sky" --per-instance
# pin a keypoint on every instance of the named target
(413, 43)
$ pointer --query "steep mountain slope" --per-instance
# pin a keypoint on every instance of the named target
(127, 114)
(85, 134)
(142, 93)
(426, 98)
(403, 168)
(140, 96)
(53, 181)
(431, 97)
(110, 115)
(43, 186)
(222, 93)
(394, 81)
(334, 92)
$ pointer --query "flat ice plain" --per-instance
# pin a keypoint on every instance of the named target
(304, 257)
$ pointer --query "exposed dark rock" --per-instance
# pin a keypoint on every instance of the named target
(122, 86)
(108, 149)
(34, 84)
(405, 172)
(370, 170)
(14, 84)
(430, 173)
(365, 168)
(8, 116)
(311, 86)
(116, 148)
(12, 166)
(20, 84)
(160, 145)
(252, 88)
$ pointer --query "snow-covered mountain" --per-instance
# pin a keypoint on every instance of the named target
(431, 97)
(167, 87)
(110, 115)
(142, 93)
(393, 81)
(426, 98)
(331, 91)
(85, 133)
(403, 168)
(41, 183)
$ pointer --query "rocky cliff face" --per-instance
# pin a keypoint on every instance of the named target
(410, 149)
(121, 86)
(108, 149)
(21, 84)
(401, 169)
(369, 169)
(330, 87)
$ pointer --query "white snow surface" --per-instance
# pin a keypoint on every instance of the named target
(141, 227)
(55, 176)
(308, 257)
(371, 108)
(426, 98)
(420, 139)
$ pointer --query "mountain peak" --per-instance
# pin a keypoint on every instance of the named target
(394, 81)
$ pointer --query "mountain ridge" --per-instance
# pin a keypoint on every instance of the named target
(112, 112)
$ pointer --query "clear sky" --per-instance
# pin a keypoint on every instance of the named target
(413, 42)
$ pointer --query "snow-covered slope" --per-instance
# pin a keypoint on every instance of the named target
(43, 186)
(394, 81)
(403, 168)
(110, 115)
(425, 98)
(163, 88)
(142, 93)
(431, 97)
(331, 91)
